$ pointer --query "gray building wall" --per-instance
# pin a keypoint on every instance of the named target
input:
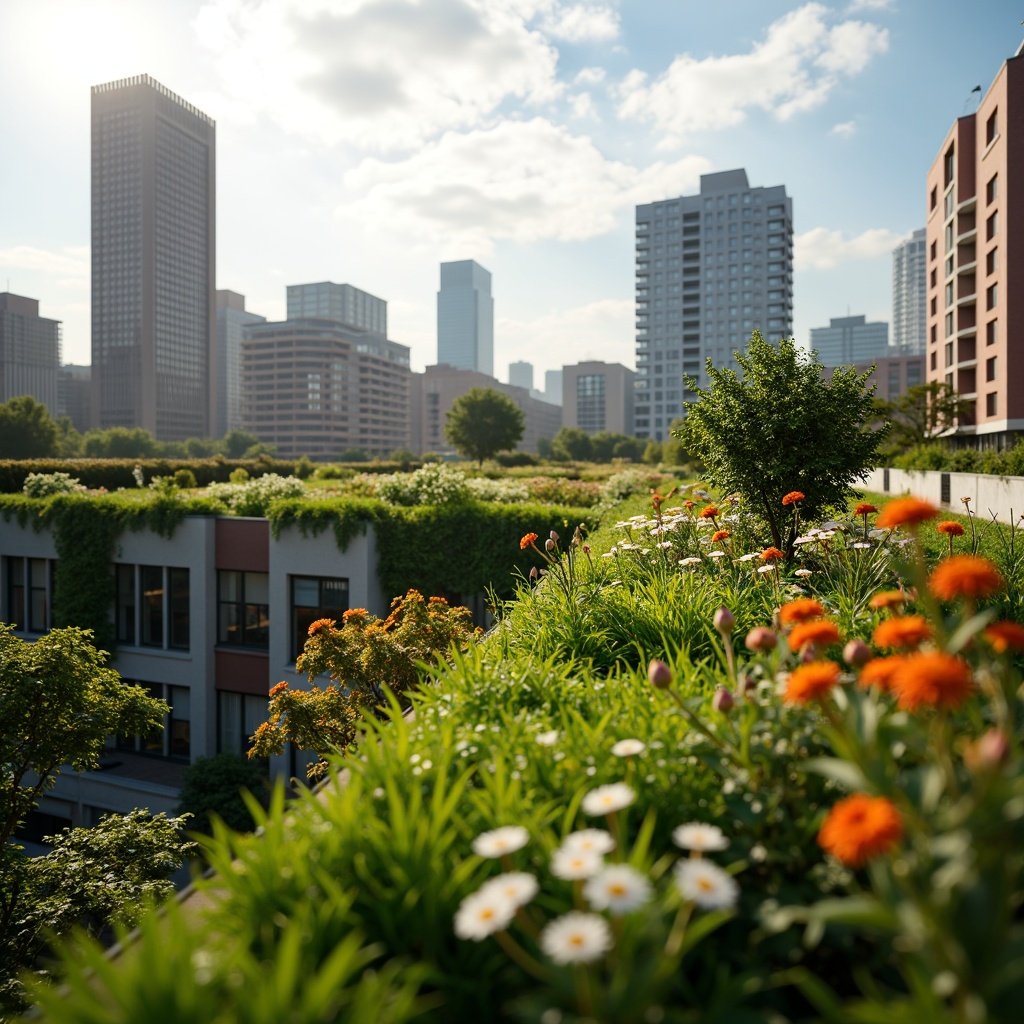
(520, 375)
(232, 316)
(910, 294)
(849, 340)
(465, 317)
(598, 396)
(341, 302)
(553, 386)
(153, 260)
(710, 268)
(74, 388)
(29, 352)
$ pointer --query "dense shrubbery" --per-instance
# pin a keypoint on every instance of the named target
(937, 455)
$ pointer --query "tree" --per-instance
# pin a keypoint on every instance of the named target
(119, 443)
(214, 785)
(27, 430)
(922, 413)
(483, 422)
(782, 427)
(237, 442)
(571, 444)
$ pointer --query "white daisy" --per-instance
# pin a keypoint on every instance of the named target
(690, 561)
(594, 840)
(862, 546)
(517, 887)
(698, 836)
(607, 799)
(618, 888)
(572, 864)
(803, 572)
(576, 938)
(706, 884)
(500, 841)
(716, 554)
(766, 568)
(629, 748)
(547, 739)
(483, 914)
(750, 557)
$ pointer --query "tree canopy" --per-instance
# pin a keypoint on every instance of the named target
(923, 412)
(782, 427)
(483, 422)
(27, 430)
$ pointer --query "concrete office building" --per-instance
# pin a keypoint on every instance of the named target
(520, 375)
(710, 268)
(910, 295)
(153, 258)
(232, 316)
(975, 298)
(553, 386)
(434, 391)
(848, 340)
(29, 352)
(326, 300)
(465, 317)
(598, 396)
(74, 395)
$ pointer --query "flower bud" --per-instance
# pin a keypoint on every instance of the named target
(659, 675)
(761, 639)
(586, 549)
(724, 621)
(723, 700)
(534, 574)
(747, 684)
(549, 545)
(987, 752)
(857, 654)
(553, 536)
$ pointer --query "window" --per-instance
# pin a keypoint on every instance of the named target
(933, 277)
(243, 609)
(934, 361)
(992, 189)
(934, 202)
(151, 582)
(992, 261)
(949, 353)
(949, 324)
(949, 294)
(991, 403)
(315, 597)
(949, 237)
(894, 379)
(934, 250)
(30, 593)
(935, 334)
(992, 226)
(992, 296)
(151, 606)
(175, 739)
(949, 167)
(990, 368)
(238, 717)
(992, 127)
(990, 332)
(934, 305)
(914, 370)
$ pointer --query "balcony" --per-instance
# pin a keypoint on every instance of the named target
(968, 205)
(967, 300)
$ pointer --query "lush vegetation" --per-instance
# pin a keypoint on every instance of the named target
(483, 422)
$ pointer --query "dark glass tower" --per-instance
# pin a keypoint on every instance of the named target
(153, 249)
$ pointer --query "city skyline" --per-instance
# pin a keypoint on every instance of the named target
(519, 133)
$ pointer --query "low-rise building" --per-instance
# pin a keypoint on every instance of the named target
(598, 396)
(29, 352)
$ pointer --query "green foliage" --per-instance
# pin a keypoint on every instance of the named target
(45, 485)
(483, 422)
(185, 479)
(354, 455)
(571, 444)
(237, 442)
(27, 430)
(304, 468)
(652, 453)
(213, 787)
(239, 476)
(510, 459)
(782, 427)
(922, 412)
(119, 443)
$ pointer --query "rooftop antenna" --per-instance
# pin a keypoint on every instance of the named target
(970, 96)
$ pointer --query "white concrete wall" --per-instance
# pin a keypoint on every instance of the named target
(1002, 496)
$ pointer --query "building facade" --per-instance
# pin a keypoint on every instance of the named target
(598, 396)
(153, 260)
(465, 317)
(910, 294)
(74, 395)
(975, 302)
(710, 269)
(232, 317)
(520, 375)
(553, 386)
(29, 352)
(326, 300)
(434, 391)
(849, 340)
(320, 387)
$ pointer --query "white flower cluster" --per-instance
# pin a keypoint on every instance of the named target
(432, 484)
(45, 485)
(624, 484)
(502, 492)
(253, 498)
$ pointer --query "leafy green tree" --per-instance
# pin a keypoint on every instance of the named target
(27, 430)
(922, 413)
(782, 427)
(483, 422)
(236, 443)
(630, 448)
(69, 440)
(214, 785)
(571, 444)
(119, 443)
(652, 453)
(201, 447)
(606, 445)
(354, 455)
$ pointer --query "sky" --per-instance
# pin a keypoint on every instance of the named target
(366, 141)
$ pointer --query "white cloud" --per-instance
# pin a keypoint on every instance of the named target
(797, 65)
(383, 74)
(70, 265)
(845, 129)
(603, 330)
(856, 6)
(582, 23)
(589, 76)
(821, 249)
(582, 105)
(518, 180)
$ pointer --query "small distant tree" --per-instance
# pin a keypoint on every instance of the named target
(571, 444)
(354, 455)
(630, 448)
(782, 427)
(483, 422)
(119, 443)
(652, 453)
(27, 430)
(235, 443)
(214, 785)
(921, 414)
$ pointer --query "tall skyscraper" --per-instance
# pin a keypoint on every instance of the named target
(153, 256)
(232, 316)
(910, 295)
(29, 352)
(849, 340)
(553, 387)
(975, 315)
(329, 301)
(465, 317)
(520, 374)
(710, 268)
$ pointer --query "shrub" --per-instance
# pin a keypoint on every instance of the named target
(43, 485)
(239, 476)
(304, 468)
(213, 786)
(513, 459)
(254, 497)
(432, 484)
(184, 479)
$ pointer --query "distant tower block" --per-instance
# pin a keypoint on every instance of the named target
(521, 374)
(465, 317)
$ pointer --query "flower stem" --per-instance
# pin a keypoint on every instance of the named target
(520, 956)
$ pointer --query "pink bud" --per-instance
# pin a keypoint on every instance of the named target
(534, 574)
(724, 621)
(553, 536)
(761, 638)
(723, 700)
(988, 752)
(586, 549)
(549, 545)
(857, 654)
(659, 675)
(808, 654)
(748, 684)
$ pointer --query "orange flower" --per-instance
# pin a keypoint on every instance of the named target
(771, 555)
(811, 682)
(879, 671)
(709, 512)
(906, 512)
(275, 690)
(859, 828)
(954, 529)
(864, 509)
(690, 504)
(903, 631)
(720, 535)
(888, 599)
(965, 576)
(527, 540)
(932, 680)
(1005, 636)
(793, 497)
(803, 609)
(821, 632)
(319, 624)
